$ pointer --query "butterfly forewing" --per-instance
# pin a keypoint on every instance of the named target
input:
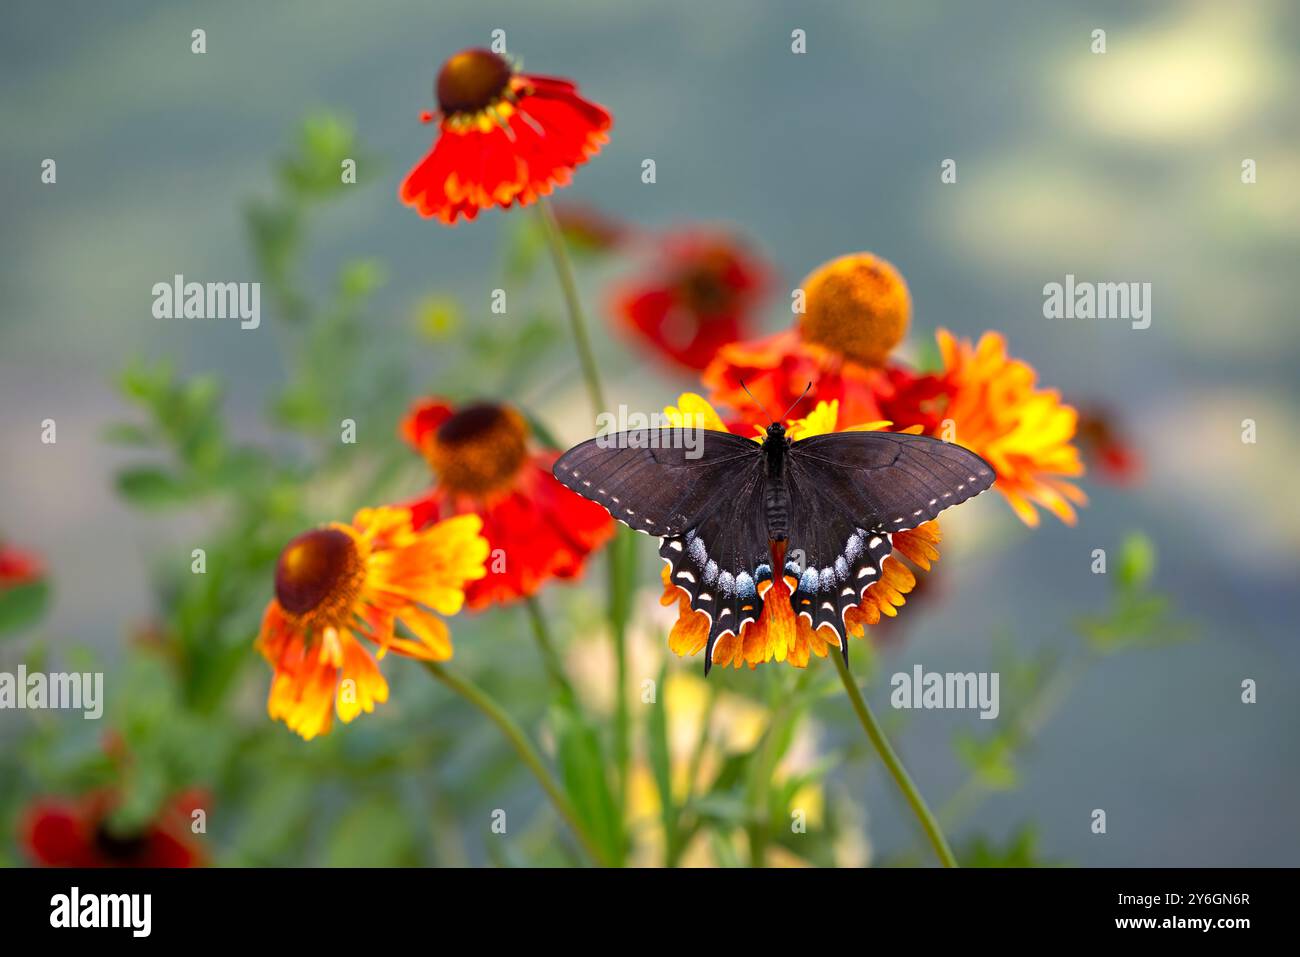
(659, 481)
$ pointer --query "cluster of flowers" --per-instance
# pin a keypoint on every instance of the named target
(495, 526)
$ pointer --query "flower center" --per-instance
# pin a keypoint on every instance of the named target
(319, 571)
(857, 306)
(119, 848)
(472, 80)
(480, 449)
(704, 290)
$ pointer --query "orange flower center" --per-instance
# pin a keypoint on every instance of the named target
(479, 450)
(857, 306)
(320, 574)
(472, 80)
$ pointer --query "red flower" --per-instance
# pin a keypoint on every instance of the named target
(504, 137)
(777, 369)
(18, 567)
(536, 528)
(700, 296)
(61, 833)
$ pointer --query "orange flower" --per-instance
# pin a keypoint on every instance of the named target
(535, 527)
(700, 296)
(779, 634)
(504, 137)
(1023, 432)
(337, 584)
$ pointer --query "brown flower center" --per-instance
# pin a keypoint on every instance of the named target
(480, 449)
(472, 80)
(319, 571)
(119, 848)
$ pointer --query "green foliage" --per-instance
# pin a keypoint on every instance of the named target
(21, 606)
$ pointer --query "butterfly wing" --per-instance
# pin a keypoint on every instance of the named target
(652, 480)
(849, 492)
(705, 503)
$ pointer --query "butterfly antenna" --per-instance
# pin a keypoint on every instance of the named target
(757, 403)
(796, 401)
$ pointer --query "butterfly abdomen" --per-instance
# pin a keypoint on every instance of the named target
(776, 495)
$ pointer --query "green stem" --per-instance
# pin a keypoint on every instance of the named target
(895, 766)
(577, 323)
(550, 659)
(523, 747)
(621, 573)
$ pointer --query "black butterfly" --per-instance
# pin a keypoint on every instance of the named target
(727, 509)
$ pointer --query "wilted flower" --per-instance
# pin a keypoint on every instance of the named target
(1106, 448)
(482, 457)
(504, 137)
(587, 229)
(340, 583)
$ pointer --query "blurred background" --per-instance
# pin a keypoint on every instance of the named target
(1117, 167)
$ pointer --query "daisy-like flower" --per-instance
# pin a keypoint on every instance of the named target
(1024, 432)
(701, 295)
(484, 463)
(342, 583)
(779, 634)
(79, 833)
(504, 137)
(856, 311)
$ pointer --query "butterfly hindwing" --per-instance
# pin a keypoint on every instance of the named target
(849, 492)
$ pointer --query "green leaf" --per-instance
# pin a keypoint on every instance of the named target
(661, 763)
(373, 833)
(1137, 562)
(583, 770)
(990, 759)
(151, 487)
(22, 605)
(128, 433)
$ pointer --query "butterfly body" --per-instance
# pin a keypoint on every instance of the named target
(776, 501)
(806, 524)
